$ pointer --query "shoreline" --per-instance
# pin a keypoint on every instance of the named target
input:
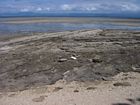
(72, 20)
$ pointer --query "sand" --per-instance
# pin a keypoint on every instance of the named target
(77, 93)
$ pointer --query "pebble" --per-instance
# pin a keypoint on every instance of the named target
(62, 60)
(40, 99)
(74, 58)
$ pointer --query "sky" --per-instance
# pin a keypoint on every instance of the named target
(82, 6)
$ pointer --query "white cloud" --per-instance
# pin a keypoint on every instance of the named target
(89, 8)
(66, 7)
(25, 10)
(39, 9)
(106, 7)
(43, 9)
(82, 7)
(48, 9)
(129, 7)
(110, 7)
(35, 9)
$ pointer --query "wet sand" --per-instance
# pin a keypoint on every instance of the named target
(89, 20)
(92, 58)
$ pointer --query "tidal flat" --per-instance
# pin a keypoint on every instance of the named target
(16, 20)
(84, 55)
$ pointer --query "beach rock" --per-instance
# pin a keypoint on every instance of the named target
(97, 59)
(86, 55)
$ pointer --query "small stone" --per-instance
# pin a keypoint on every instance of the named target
(40, 99)
(57, 89)
(131, 100)
(122, 84)
(97, 59)
(76, 91)
(91, 88)
(62, 60)
(24, 70)
(64, 48)
(67, 72)
(121, 104)
(138, 99)
(106, 79)
(74, 58)
(12, 95)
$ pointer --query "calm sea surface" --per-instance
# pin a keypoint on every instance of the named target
(6, 27)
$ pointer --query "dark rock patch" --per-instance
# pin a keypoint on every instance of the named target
(39, 99)
(121, 104)
(91, 88)
(76, 91)
(122, 84)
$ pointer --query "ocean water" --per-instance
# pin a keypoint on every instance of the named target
(6, 28)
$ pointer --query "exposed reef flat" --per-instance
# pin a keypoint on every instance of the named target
(84, 56)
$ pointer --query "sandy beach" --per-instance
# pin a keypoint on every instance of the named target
(84, 67)
(126, 92)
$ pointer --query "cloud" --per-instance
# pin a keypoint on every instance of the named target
(67, 7)
(74, 7)
(47, 9)
(35, 9)
(24, 10)
(91, 8)
(39, 9)
(130, 7)
(101, 6)
(111, 7)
